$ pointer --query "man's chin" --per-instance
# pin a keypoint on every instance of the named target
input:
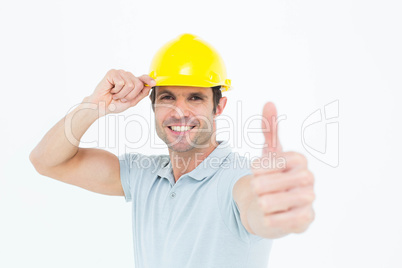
(180, 147)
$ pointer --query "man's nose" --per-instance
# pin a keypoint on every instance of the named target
(180, 109)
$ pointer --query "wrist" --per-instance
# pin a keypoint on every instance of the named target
(94, 107)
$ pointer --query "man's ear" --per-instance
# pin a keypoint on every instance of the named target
(221, 105)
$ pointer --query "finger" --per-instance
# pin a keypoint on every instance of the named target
(140, 80)
(270, 129)
(147, 80)
(281, 182)
(295, 220)
(117, 81)
(134, 94)
(106, 83)
(131, 84)
(144, 92)
(284, 201)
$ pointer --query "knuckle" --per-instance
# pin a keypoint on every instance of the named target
(311, 176)
(130, 85)
(305, 217)
(312, 198)
(299, 229)
(302, 221)
(303, 198)
(290, 155)
(306, 177)
(309, 198)
(295, 227)
(130, 74)
(138, 82)
(300, 158)
(131, 95)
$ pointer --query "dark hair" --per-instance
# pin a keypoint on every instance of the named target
(216, 92)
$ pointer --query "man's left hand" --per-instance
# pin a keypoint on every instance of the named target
(282, 185)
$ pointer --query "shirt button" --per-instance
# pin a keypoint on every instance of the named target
(172, 195)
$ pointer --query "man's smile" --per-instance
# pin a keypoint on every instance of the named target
(180, 129)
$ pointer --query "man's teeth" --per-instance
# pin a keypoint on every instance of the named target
(181, 128)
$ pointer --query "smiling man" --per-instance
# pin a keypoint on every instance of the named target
(199, 205)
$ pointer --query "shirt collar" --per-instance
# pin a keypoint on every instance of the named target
(206, 168)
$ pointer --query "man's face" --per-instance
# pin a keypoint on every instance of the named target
(184, 117)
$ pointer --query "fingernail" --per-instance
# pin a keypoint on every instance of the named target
(153, 83)
(114, 97)
(123, 100)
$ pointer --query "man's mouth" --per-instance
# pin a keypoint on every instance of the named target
(180, 128)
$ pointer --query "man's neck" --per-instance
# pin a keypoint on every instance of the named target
(185, 162)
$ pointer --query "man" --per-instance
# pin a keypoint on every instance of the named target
(198, 206)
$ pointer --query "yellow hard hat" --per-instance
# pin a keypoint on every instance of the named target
(188, 60)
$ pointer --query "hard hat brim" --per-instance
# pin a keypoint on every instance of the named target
(190, 81)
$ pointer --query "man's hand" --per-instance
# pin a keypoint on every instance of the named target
(120, 90)
(282, 186)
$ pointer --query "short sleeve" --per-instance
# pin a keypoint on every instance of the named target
(126, 174)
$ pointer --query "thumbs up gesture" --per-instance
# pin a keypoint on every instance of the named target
(282, 186)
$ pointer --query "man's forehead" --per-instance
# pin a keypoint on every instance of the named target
(182, 90)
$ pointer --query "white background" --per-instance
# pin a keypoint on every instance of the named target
(301, 55)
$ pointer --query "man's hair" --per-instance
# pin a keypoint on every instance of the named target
(216, 92)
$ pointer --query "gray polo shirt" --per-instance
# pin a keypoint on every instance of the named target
(194, 222)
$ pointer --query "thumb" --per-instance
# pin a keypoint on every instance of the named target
(269, 128)
(147, 80)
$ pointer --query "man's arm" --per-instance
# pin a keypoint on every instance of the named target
(277, 198)
(58, 154)
(244, 197)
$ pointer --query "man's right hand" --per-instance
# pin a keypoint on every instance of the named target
(120, 90)
(58, 156)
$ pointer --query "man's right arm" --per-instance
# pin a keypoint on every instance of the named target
(58, 154)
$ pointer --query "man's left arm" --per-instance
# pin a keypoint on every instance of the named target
(277, 198)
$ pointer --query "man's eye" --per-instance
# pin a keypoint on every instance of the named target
(195, 98)
(166, 98)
